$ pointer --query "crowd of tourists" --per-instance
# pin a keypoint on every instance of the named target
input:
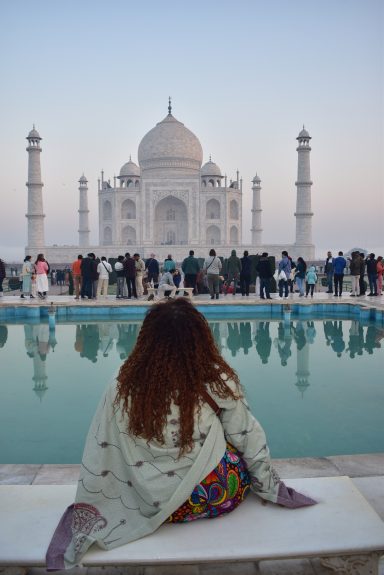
(134, 275)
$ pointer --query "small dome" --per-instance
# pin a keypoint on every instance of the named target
(33, 134)
(83, 179)
(130, 169)
(211, 169)
(170, 145)
(256, 180)
(303, 134)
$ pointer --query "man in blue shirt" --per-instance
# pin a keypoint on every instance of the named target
(339, 264)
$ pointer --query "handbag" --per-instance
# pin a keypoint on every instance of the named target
(282, 276)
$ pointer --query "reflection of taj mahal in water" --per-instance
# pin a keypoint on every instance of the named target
(171, 201)
(284, 341)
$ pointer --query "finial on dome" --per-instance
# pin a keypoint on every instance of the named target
(210, 157)
(169, 106)
(130, 158)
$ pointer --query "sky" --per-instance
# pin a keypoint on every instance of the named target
(245, 76)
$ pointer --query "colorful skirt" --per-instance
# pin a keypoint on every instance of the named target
(218, 493)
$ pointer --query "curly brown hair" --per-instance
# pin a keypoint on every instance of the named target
(175, 358)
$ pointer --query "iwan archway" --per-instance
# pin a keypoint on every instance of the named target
(171, 222)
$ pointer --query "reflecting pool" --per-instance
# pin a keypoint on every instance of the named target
(316, 385)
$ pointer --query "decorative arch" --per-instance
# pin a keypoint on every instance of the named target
(128, 210)
(171, 222)
(128, 236)
(211, 183)
(107, 210)
(137, 184)
(129, 183)
(107, 236)
(233, 235)
(212, 210)
(213, 236)
(234, 210)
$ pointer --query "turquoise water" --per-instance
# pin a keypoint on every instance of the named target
(316, 386)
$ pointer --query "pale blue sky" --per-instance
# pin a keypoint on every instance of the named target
(244, 76)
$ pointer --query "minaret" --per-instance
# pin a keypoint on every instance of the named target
(83, 212)
(304, 212)
(35, 213)
(256, 213)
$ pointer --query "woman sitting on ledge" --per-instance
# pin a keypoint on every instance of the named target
(173, 440)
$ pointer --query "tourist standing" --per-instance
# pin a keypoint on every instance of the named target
(284, 270)
(301, 270)
(380, 271)
(311, 280)
(169, 265)
(245, 274)
(120, 277)
(233, 270)
(212, 266)
(362, 283)
(76, 274)
(153, 270)
(26, 274)
(372, 274)
(339, 264)
(140, 267)
(87, 268)
(104, 268)
(354, 269)
(329, 271)
(2, 276)
(264, 270)
(130, 275)
(190, 268)
(42, 270)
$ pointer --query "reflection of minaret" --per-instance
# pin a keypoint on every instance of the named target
(35, 213)
(302, 372)
(256, 213)
(83, 212)
(39, 376)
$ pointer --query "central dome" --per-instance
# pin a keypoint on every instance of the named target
(170, 145)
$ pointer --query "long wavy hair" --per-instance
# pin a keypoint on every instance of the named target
(175, 358)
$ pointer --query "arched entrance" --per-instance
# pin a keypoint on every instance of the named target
(171, 222)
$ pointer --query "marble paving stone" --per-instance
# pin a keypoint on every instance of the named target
(287, 567)
(373, 490)
(359, 465)
(14, 474)
(305, 467)
(118, 570)
(57, 475)
(239, 568)
(172, 570)
(42, 571)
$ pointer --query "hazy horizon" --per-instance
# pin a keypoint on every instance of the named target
(95, 78)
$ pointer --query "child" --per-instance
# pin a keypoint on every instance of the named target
(311, 279)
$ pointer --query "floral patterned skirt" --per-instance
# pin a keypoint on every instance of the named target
(218, 493)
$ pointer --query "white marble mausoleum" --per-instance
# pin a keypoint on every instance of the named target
(169, 202)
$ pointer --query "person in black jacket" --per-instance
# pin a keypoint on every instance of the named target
(87, 268)
(245, 274)
(263, 268)
(372, 274)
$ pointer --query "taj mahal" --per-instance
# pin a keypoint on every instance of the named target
(169, 203)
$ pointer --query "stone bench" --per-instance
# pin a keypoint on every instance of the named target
(342, 529)
(189, 291)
